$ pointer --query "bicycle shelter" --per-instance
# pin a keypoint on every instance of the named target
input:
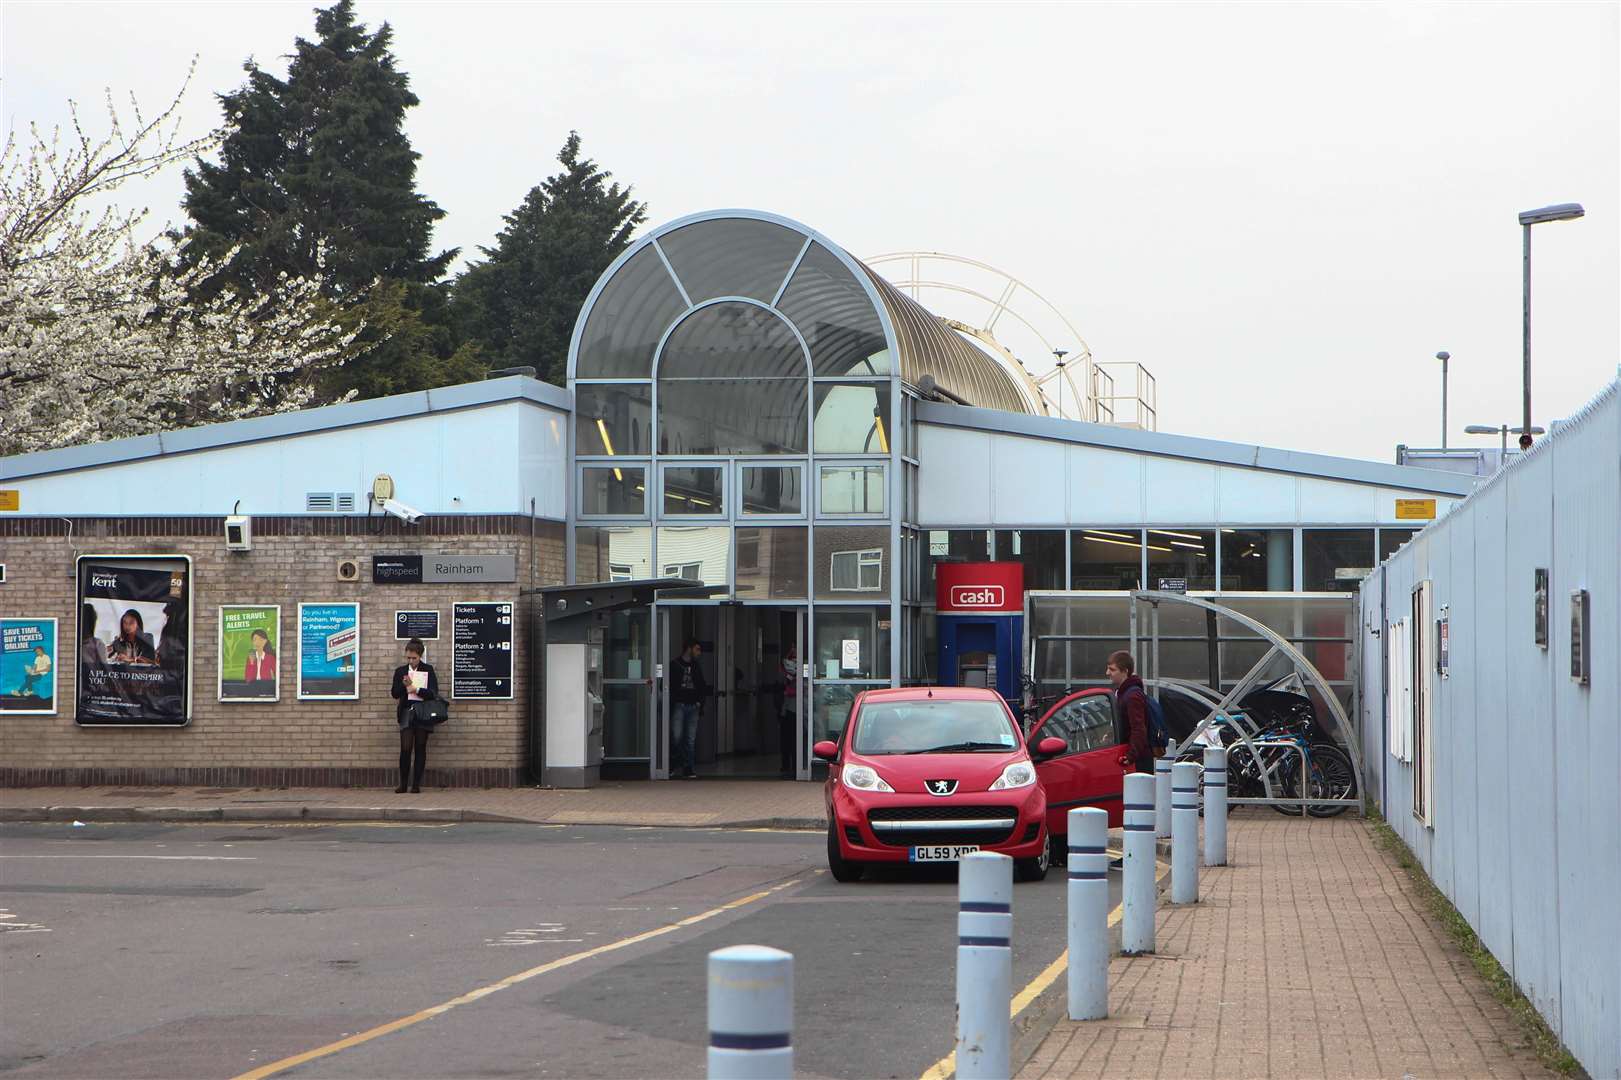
(1213, 650)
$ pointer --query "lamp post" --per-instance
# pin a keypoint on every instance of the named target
(1058, 355)
(1528, 218)
(1500, 429)
(1443, 356)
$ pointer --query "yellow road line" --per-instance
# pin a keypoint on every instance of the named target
(947, 1065)
(511, 980)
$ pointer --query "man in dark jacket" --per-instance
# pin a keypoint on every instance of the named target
(687, 692)
(1131, 703)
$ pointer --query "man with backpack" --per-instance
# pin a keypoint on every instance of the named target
(1145, 726)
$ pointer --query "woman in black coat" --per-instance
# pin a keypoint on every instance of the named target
(413, 732)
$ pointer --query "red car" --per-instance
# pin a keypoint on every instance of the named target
(926, 774)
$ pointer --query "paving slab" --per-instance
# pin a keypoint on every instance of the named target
(1309, 955)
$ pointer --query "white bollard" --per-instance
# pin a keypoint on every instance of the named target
(1162, 791)
(1088, 913)
(1215, 806)
(1137, 894)
(984, 966)
(1184, 833)
(751, 1013)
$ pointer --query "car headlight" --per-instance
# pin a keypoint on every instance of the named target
(1017, 775)
(864, 778)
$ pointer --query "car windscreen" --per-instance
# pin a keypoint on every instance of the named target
(918, 727)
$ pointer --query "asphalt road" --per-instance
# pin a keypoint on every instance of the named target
(211, 950)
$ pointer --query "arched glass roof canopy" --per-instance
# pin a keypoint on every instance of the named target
(727, 309)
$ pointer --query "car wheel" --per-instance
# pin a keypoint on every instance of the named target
(841, 868)
(1035, 869)
(1057, 850)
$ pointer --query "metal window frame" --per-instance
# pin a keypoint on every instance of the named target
(720, 465)
(582, 464)
(856, 515)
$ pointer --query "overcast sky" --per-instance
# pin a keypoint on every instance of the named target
(1283, 211)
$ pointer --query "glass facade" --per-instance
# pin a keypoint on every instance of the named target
(740, 422)
(1257, 560)
(1106, 558)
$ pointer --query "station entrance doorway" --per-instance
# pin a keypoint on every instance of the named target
(752, 660)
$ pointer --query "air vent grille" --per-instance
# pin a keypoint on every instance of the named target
(329, 502)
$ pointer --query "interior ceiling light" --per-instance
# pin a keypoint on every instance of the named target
(1183, 544)
(607, 444)
(1134, 544)
(1121, 535)
(1184, 536)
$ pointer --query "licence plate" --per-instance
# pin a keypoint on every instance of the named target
(941, 852)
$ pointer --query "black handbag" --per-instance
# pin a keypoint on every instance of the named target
(432, 711)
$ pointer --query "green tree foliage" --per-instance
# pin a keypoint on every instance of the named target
(518, 306)
(322, 156)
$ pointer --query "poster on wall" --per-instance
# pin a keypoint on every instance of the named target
(250, 653)
(481, 651)
(1539, 600)
(134, 640)
(328, 652)
(27, 666)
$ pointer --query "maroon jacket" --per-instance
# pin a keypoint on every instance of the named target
(1132, 702)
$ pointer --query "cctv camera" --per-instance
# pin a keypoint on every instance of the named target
(405, 513)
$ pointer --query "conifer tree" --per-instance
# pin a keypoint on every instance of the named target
(321, 158)
(519, 305)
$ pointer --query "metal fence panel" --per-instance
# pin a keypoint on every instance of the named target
(1526, 824)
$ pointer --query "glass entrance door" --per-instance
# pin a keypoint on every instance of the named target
(752, 717)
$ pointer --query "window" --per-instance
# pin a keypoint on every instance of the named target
(731, 257)
(732, 380)
(771, 489)
(836, 316)
(1391, 540)
(851, 559)
(851, 418)
(628, 319)
(612, 553)
(1084, 724)
(613, 490)
(1041, 552)
(693, 490)
(953, 546)
(1106, 558)
(1257, 560)
(852, 489)
(697, 553)
(771, 562)
(612, 419)
(1335, 560)
(852, 644)
(1185, 554)
(858, 571)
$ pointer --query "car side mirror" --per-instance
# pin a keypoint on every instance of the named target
(826, 750)
(1051, 746)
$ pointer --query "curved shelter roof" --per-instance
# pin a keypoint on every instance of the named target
(848, 320)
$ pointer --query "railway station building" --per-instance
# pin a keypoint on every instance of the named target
(749, 408)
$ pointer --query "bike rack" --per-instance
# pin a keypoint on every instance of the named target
(1223, 704)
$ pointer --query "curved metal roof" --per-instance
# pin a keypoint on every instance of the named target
(675, 268)
(927, 346)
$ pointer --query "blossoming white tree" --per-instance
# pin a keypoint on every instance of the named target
(101, 333)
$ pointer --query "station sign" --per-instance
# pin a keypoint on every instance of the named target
(414, 569)
(979, 588)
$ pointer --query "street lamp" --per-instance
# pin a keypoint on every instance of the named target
(1443, 356)
(1058, 355)
(1503, 430)
(1528, 218)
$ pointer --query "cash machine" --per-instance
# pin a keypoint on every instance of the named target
(980, 625)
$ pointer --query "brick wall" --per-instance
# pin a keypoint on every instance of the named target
(290, 742)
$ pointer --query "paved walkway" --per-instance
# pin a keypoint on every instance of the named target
(732, 803)
(1308, 956)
